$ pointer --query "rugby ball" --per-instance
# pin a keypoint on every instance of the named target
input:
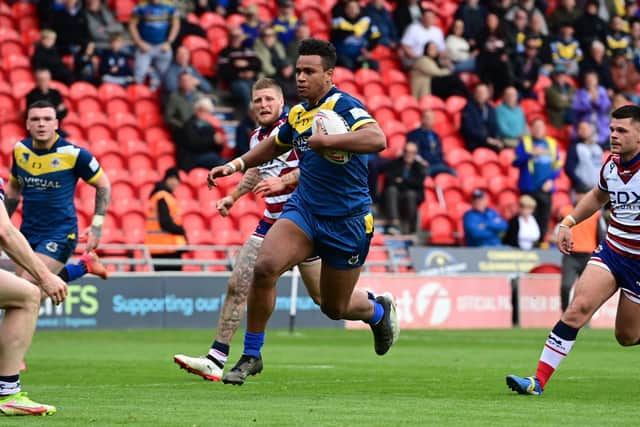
(331, 123)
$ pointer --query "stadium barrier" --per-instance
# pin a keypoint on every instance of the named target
(179, 300)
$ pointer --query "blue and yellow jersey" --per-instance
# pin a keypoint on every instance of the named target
(154, 20)
(47, 180)
(331, 184)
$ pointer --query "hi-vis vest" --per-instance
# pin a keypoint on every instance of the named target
(553, 151)
(155, 235)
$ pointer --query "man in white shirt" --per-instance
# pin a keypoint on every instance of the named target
(418, 34)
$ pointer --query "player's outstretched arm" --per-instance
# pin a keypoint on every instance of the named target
(12, 196)
(18, 249)
(103, 198)
(266, 150)
(590, 203)
(368, 138)
(276, 184)
(250, 178)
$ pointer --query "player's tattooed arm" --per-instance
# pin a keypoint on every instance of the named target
(291, 178)
(103, 197)
(249, 180)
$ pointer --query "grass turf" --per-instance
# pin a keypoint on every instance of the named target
(328, 378)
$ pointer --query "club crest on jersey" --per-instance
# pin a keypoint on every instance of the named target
(55, 162)
(52, 247)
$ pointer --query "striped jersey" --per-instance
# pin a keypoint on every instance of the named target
(622, 181)
(47, 180)
(279, 166)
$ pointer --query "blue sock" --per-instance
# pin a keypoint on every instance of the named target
(74, 271)
(378, 312)
(253, 343)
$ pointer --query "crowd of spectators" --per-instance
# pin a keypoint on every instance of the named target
(575, 61)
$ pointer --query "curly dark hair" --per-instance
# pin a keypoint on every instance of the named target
(319, 47)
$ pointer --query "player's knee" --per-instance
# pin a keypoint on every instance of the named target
(265, 271)
(32, 297)
(332, 311)
(627, 339)
(577, 314)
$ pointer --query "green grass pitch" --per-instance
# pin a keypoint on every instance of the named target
(329, 378)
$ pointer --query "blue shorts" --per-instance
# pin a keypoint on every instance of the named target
(624, 269)
(341, 242)
(59, 249)
(262, 228)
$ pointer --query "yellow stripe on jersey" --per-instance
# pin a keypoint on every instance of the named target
(301, 119)
(368, 223)
(280, 143)
(95, 177)
(36, 165)
(358, 125)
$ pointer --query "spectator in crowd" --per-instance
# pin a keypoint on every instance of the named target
(559, 97)
(585, 237)
(403, 191)
(518, 30)
(275, 63)
(238, 66)
(526, 69)
(566, 51)
(154, 26)
(70, 24)
(618, 41)
(589, 26)
(492, 64)
(618, 100)
(201, 145)
(538, 158)
(44, 92)
(478, 126)
(85, 65)
(406, 13)
(418, 34)
(354, 36)
(221, 7)
(459, 50)
(270, 52)
(114, 62)
(625, 77)
(251, 25)
(164, 222)
(381, 18)
(523, 231)
(302, 32)
(432, 73)
(286, 23)
(592, 104)
(46, 56)
(101, 24)
(584, 159)
(474, 16)
(181, 64)
(566, 13)
(483, 226)
(510, 118)
(429, 146)
(598, 62)
(243, 133)
(537, 32)
(179, 106)
(531, 7)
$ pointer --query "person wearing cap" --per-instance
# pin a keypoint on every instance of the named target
(523, 231)
(286, 23)
(558, 98)
(483, 226)
(251, 25)
(164, 222)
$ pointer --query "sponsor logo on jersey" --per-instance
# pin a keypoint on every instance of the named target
(37, 182)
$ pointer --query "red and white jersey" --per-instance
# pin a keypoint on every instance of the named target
(279, 166)
(622, 182)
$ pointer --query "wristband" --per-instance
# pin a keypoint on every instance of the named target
(564, 225)
(97, 221)
(233, 166)
(571, 219)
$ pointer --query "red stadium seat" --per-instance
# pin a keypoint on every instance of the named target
(13, 61)
(127, 132)
(391, 76)
(431, 102)
(441, 230)
(87, 105)
(507, 203)
(234, 20)
(490, 169)
(194, 221)
(8, 106)
(76, 133)
(115, 106)
(192, 42)
(342, 74)
(92, 117)
(456, 156)
(484, 155)
(11, 130)
(454, 196)
(165, 162)
(12, 47)
(108, 91)
(160, 147)
(183, 192)
(20, 74)
(82, 90)
(101, 146)
(23, 9)
(145, 106)
(122, 190)
(444, 181)
(111, 161)
(28, 23)
(454, 104)
(156, 133)
(470, 183)
(376, 260)
(466, 169)
(100, 132)
(124, 9)
(140, 177)
(209, 19)
(204, 61)
(506, 157)
(138, 91)
(393, 127)
(140, 161)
